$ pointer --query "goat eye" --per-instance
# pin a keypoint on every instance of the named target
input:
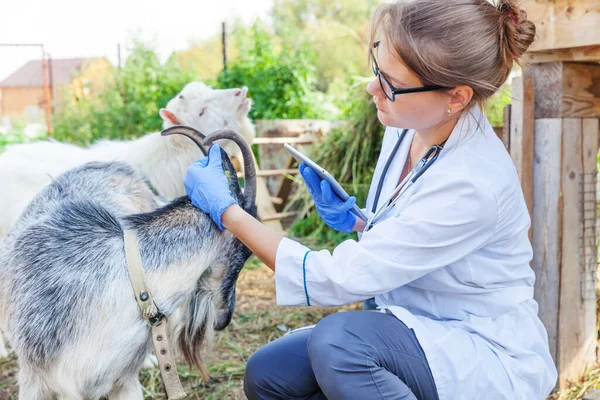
(202, 112)
(181, 97)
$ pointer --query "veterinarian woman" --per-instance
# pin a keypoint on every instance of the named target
(448, 263)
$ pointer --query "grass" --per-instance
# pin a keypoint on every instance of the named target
(577, 390)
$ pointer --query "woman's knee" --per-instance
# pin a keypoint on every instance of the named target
(334, 340)
(280, 369)
(256, 375)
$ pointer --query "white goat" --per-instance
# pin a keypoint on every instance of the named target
(66, 301)
(25, 169)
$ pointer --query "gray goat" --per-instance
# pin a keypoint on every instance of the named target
(66, 302)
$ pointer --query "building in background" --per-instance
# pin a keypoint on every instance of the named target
(22, 92)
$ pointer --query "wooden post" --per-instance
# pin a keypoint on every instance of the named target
(547, 211)
(47, 99)
(567, 115)
(506, 126)
(563, 24)
(264, 205)
(576, 349)
(224, 44)
(119, 55)
(521, 134)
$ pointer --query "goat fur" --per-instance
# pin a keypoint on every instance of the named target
(74, 323)
(25, 169)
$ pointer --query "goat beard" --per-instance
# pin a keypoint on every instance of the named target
(197, 335)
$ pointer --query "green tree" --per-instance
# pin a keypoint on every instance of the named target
(281, 79)
(298, 15)
(338, 31)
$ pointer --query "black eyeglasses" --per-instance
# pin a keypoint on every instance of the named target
(388, 89)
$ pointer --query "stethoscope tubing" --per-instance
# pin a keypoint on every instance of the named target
(419, 169)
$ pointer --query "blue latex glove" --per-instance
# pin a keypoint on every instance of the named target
(207, 186)
(335, 212)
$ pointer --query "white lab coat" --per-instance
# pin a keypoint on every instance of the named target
(451, 260)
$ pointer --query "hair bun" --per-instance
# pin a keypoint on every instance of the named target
(517, 33)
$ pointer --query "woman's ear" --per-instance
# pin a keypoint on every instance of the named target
(460, 97)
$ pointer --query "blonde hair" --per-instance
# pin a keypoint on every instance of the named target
(456, 42)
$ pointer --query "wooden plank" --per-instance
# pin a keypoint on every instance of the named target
(564, 23)
(579, 54)
(591, 135)
(548, 88)
(506, 127)
(581, 90)
(546, 223)
(278, 172)
(522, 133)
(264, 206)
(572, 350)
(285, 187)
(283, 140)
(279, 216)
(498, 131)
(516, 127)
(272, 172)
(276, 200)
(566, 90)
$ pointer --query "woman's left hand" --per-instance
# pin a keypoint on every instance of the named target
(207, 186)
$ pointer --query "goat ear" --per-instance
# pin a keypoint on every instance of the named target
(168, 116)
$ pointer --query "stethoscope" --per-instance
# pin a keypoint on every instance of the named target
(418, 170)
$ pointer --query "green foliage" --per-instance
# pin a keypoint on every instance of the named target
(302, 14)
(17, 137)
(494, 107)
(128, 105)
(338, 31)
(281, 83)
(17, 134)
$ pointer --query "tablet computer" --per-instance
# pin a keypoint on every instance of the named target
(324, 175)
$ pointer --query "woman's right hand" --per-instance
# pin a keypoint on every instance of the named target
(336, 213)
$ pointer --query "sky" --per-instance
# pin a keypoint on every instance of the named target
(75, 28)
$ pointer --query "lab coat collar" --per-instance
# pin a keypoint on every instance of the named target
(468, 123)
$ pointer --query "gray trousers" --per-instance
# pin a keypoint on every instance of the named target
(348, 355)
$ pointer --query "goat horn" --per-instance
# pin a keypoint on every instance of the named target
(196, 136)
(249, 168)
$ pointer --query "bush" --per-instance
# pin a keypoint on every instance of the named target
(281, 83)
(494, 107)
(21, 133)
(129, 103)
(19, 136)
